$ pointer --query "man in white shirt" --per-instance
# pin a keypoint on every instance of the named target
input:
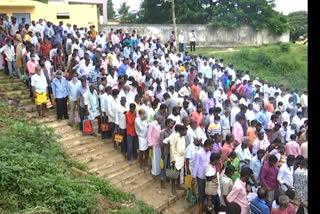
(285, 175)
(40, 90)
(243, 152)
(121, 122)
(190, 153)
(181, 41)
(192, 38)
(304, 103)
(8, 50)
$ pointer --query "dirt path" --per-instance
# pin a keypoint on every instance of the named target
(101, 158)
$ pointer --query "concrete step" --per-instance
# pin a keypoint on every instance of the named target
(85, 149)
(75, 140)
(99, 154)
(26, 101)
(139, 184)
(107, 168)
(126, 176)
(181, 206)
(160, 199)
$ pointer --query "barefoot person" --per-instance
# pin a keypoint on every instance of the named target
(40, 91)
(141, 126)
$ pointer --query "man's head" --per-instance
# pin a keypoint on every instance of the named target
(163, 108)
(245, 174)
(207, 144)
(38, 69)
(186, 121)
(260, 135)
(273, 160)
(215, 158)
(229, 170)
(245, 142)
(283, 201)
(176, 110)
(290, 160)
(169, 123)
(229, 138)
(160, 119)
(262, 193)
(132, 107)
(260, 154)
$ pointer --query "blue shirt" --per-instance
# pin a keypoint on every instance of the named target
(258, 206)
(208, 72)
(255, 165)
(59, 88)
(263, 118)
(126, 52)
(73, 90)
(94, 76)
(122, 70)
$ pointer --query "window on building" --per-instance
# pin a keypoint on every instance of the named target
(63, 16)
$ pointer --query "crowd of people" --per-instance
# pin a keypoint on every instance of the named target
(191, 115)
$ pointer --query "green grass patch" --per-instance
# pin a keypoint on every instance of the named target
(35, 175)
(283, 64)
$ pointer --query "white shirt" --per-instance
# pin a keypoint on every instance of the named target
(9, 52)
(181, 38)
(103, 101)
(260, 144)
(39, 82)
(192, 36)
(234, 111)
(285, 175)
(285, 117)
(190, 153)
(243, 154)
(120, 116)
(304, 100)
(250, 115)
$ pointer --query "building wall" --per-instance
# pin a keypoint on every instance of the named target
(206, 35)
(81, 15)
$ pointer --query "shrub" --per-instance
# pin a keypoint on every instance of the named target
(285, 47)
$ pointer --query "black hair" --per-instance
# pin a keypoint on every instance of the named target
(233, 208)
(132, 106)
(246, 171)
(207, 143)
(230, 169)
(215, 157)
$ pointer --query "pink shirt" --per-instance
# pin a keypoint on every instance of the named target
(225, 151)
(31, 66)
(197, 117)
(293, 148)
(153, 136)
(238, 195)
(237, 132)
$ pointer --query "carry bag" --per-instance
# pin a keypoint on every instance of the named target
(104, 127)
(87, 126)
(118, 138)
(172, 172)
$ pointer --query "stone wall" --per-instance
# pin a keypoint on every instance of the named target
(206, 35)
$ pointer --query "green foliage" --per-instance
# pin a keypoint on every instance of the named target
(285, 47)
(256, 13)
(35, 173)
(124, 15)
(221, 13)
(299, 24)
(110, 10)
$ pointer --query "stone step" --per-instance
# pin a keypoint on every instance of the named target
(76, 139)
(86, 148)
(99, 154)
(26, 101)
(126, 176)
(107, 168)
(100, 164)
(181, 206)
(119, 170)
(160, 199)
(139, 184)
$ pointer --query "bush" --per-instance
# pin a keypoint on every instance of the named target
(35, 175)
(285, 47)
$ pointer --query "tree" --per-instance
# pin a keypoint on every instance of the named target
(110, 10)
(256, 13)
(124, 15)
(299, 23)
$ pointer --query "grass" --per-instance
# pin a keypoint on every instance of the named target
(36, 175)
(268, 62)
